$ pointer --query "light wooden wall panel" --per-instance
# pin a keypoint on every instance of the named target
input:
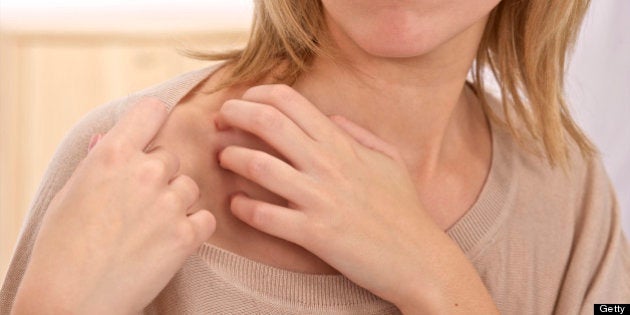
(9, 145)
(48, 82)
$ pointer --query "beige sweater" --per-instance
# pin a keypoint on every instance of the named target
(543, 242)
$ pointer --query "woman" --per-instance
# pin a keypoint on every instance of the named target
(378, 182)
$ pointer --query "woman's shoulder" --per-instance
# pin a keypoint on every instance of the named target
(565, 221)
(527, 163)
(533, 169)
(169, 92)
(541, 192)
(560, 227)
(100, 119)
(553, 201)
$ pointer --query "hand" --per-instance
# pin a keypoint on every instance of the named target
(351, 199)
(119, 229)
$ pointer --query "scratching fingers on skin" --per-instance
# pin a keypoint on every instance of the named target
(271, 125)
(268, 171)
(269, 218)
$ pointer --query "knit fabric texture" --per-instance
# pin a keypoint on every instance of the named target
(543, 241)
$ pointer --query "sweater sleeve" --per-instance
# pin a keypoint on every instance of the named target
(599, 269)
(69, 153)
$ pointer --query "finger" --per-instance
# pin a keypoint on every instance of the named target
(270, 125)
(187, 190)
(204, 224)
(365, 137)
(139, 124)
(278, 221)
(308, 117)
(267, 171)
(169, 161)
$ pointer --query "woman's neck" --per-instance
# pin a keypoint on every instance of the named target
(421, 105)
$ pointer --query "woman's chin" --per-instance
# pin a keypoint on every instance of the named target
(397, 46)
(398, 51)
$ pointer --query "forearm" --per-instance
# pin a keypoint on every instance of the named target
(444, 283)
(37, 299)
(62, 291)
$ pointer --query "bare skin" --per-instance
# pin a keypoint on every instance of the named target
(190, 131)
(349, 198)
(444, 139)
(419, 106)
(101, 229)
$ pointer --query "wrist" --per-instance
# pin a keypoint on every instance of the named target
(420, 298)
(445, 283)
(438, 301)
(41, 293)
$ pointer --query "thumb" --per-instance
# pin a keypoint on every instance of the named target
(365, 137)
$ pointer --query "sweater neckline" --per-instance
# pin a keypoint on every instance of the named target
(472, 232)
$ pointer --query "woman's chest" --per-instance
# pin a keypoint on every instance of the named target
(190, 134)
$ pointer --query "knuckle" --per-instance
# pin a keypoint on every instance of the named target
(341, 141)
(327, 164)
(190, 188)
(319, 195)
(258, 216)
(112, 154)
(172, 200)
(258, 166)
(151, 170)
(280, 92)
(267, 119)
(321, 161)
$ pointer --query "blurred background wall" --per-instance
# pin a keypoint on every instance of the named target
(598, 86)
(59, 59)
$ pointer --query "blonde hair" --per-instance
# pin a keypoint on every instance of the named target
(524, 45)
